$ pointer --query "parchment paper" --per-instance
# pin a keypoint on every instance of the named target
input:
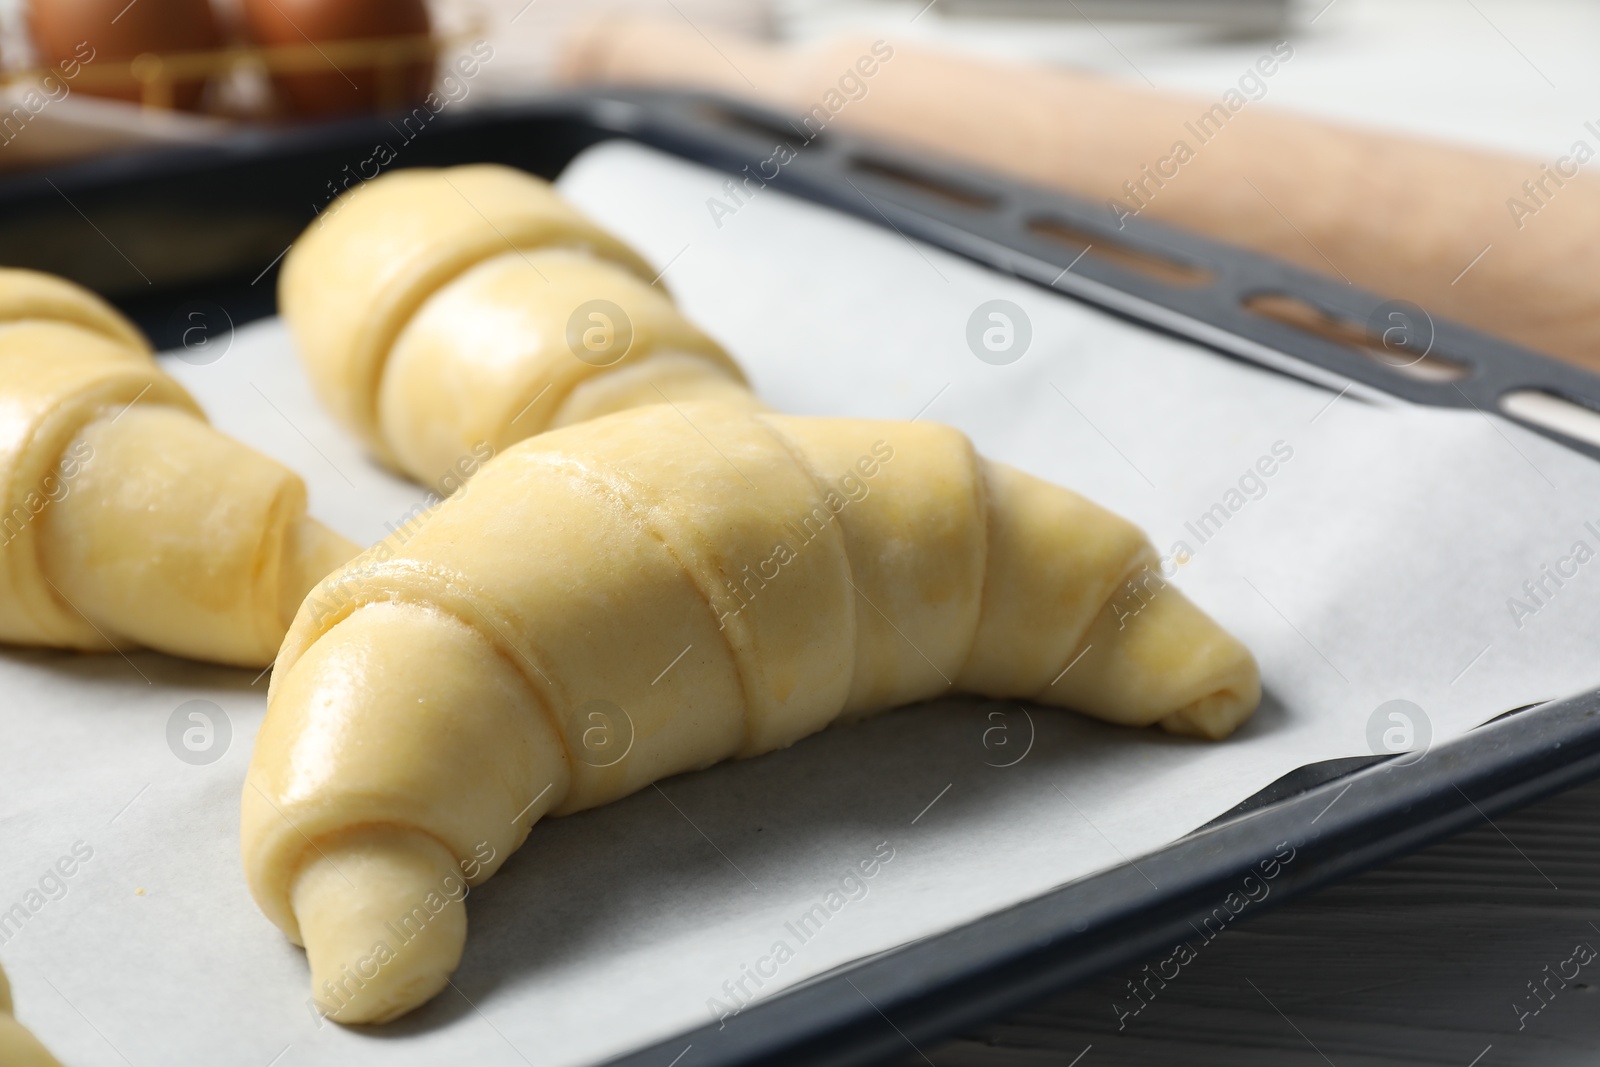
(1374, 564)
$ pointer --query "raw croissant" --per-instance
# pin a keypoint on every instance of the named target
(18, 1047)
(649, 593)
(125, 519)
(440, 310)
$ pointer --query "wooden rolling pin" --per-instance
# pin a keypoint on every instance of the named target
(1400, 216)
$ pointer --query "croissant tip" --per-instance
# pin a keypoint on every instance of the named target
(20, 1048)
(381, 913)
(311, 552)
(1215, 716)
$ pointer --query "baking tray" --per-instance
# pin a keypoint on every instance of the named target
(209, 225)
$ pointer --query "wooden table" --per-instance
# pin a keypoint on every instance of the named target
(1424, 961)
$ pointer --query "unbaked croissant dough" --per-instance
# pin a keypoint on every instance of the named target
(684, 585)
(437, 311)
(18, 1047)
(125, 519)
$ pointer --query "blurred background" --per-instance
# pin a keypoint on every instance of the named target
(1405, 148)
(1510, 76)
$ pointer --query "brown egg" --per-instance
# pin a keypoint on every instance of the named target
(101, 31)
(349, 86)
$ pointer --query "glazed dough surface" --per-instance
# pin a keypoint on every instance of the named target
(18, 1047)
(125, 519)
(437, 311)
(505, 659)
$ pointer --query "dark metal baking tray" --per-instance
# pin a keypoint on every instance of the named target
(170, 234)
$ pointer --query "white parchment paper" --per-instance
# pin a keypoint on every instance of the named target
(1375, 563)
